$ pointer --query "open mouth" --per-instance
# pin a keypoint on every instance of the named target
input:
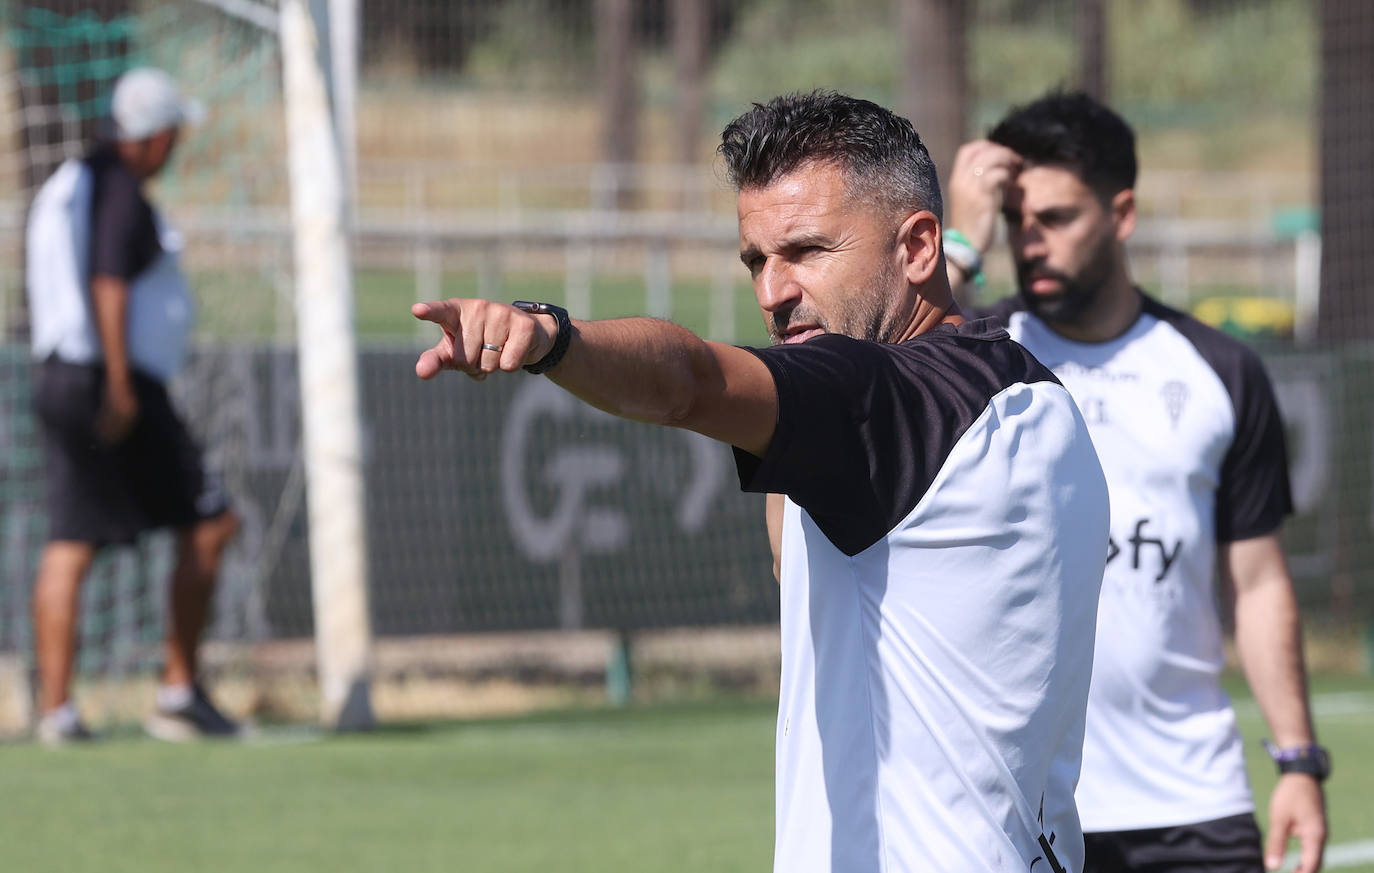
(801, 335)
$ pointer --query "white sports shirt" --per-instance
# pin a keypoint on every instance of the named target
(161, 306)
(942, 551)
(1189, 434)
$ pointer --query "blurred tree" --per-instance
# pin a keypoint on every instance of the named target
(935, 83)
(1090, 24)
(1347, 185)
(1344, 313)
(691, 30)
(615, 63)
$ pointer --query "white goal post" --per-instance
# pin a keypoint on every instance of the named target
(327, 356)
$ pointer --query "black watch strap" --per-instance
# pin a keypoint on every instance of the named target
(1312, 760)
(561, 338)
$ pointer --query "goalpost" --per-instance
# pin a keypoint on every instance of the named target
(327, 357)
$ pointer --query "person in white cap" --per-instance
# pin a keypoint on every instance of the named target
(110, 316)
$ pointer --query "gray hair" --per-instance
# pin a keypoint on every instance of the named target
(879, 152)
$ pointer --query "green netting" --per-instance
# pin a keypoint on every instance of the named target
(76, 51)
(70, 63)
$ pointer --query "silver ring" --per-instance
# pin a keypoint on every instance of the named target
(491, 348)
(977, 171)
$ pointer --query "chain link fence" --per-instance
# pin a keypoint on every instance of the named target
(562, 150)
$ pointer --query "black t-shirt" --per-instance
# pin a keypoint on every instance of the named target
(864, 428)
(124, 238)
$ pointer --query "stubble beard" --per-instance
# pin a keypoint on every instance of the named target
(869, 312)
(875, 312)
(1078, 295)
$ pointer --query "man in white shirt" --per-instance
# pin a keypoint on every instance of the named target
(944, 532)
(1185, 422)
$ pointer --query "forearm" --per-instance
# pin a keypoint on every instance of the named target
(653, 371)
(110, 299)
(1269, 644)
(1269, 641)
(637, 368)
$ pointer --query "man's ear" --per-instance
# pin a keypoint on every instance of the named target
(1123, 213)
(920, 237)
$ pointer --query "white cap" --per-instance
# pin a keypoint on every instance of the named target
(147, 101)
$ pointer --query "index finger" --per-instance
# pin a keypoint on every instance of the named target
(441, 312)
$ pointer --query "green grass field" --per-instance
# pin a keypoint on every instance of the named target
(665, 789)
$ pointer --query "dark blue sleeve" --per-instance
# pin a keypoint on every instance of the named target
(814, 456)
(123, 237)
(1254, 495)
(864, 428)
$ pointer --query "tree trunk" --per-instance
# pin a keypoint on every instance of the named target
(1347, 185)
(934, 87)
(1343, 311)
(1090, 24)
(615, 54)
(691, 23)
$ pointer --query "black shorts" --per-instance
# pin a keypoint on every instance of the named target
(103, 494)
(1224, 845)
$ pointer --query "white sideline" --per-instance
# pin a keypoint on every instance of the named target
(1330, 703)
(1343, 703)
(1340, 855)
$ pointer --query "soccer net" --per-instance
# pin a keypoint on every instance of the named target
(225, 191)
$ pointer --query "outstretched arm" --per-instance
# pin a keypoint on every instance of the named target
(642, 369)
(1269, 643)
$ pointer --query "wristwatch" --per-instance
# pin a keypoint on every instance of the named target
(1310, 759)
(561, 338)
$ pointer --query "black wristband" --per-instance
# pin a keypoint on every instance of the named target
(561, 337)
(1312, 760)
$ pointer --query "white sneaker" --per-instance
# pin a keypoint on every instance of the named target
(62, 727)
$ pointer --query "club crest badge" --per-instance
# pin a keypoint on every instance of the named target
(1175, 394)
